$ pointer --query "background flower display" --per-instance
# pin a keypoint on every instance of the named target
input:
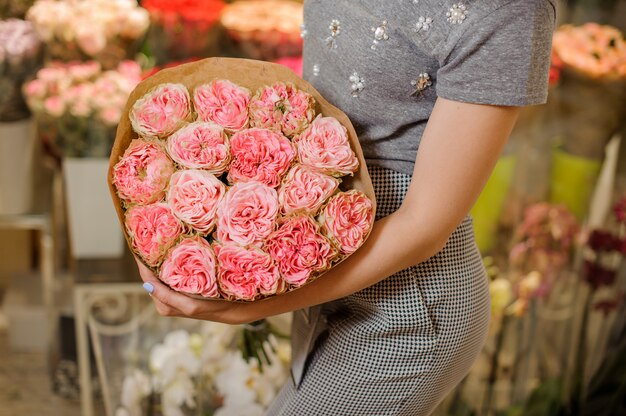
(192, 372)
(557, 314)
(106, 31)
(184, 29)
(79, 105)
(557, 275)
(265, 29)
(20, 57)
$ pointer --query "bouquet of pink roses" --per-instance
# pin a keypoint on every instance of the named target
(228, 193)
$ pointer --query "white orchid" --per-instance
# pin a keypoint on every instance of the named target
(180, 391)
(187, 368)
(173, 358)
(135, 388)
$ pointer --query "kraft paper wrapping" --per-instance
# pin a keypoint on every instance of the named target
(247, 73)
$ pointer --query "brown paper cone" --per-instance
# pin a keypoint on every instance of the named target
(247, 73)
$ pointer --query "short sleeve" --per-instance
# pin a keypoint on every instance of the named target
(501, 59)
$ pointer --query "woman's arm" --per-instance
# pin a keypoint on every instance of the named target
(458, 151)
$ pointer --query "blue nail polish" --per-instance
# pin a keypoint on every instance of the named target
(149, 288)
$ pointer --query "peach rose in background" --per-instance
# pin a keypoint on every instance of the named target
(282, 108)
(300, 250)
(247, 214)
(200, 145)
(305, 190)
(246, 273)
(260, 155)
(92, 40)
(161, 111)
(325, 146)
(143, 172)
(194, 196)
(347, 219)
(595, 50)
(152, 229)
(223, 103)
(191, 267)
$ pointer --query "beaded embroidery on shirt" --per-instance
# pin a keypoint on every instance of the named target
(380, 34)
(421, 83)
(423, 24)
(357, 84)
(457, 13)
(335, 30)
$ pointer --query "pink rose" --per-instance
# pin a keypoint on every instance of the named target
(224, 103)
(300, 113)
(194, 196)
(131, 70)
(54, 106)
(83, 71)
(246, 273)
(299, 250)
(282, 107)
(260, 155)
(110, 116)
(305, 189)
(347, 219)
(91, 40)
(142, 173)
(191, 267)
(200, 145)
(35, 89)
(161, 111)
(325, 146)
(153, 229)
(247, 214)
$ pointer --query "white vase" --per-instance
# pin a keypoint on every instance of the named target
(94, 229)
(18, 164)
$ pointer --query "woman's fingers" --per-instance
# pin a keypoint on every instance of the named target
(169, 302)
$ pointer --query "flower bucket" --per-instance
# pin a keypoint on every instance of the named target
(18, 166)
(487, 209)
(93, 225)
(573, 180)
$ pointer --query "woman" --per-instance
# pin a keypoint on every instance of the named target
(400, 322)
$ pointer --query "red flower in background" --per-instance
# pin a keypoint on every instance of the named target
(600, 240)
(620, 210)
(607, 306)
(556, 65)
(292, 62)
(206, 11)
(598, 276)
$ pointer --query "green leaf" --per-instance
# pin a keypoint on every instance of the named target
(545, 400)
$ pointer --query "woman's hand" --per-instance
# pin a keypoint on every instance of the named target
(168, 302)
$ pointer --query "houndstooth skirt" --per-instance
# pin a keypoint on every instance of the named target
(398, 347)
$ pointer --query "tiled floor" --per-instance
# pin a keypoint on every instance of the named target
(25, 375)
(25, 388)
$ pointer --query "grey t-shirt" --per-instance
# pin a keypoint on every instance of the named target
(384, 62)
